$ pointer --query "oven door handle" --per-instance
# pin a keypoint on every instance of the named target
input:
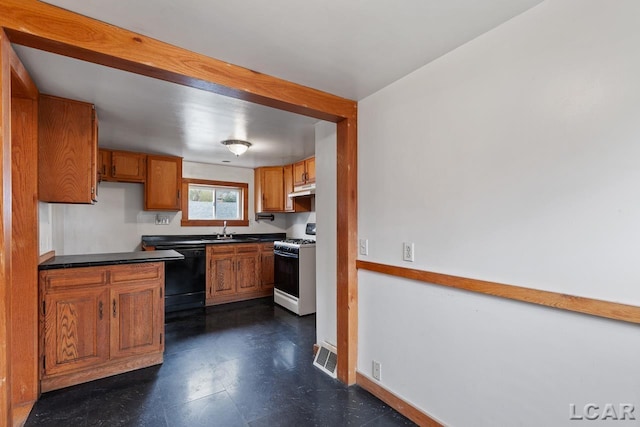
(285, 254)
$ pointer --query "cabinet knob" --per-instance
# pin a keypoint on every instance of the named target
(114, 308)
(100, 306)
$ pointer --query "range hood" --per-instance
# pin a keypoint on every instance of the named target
(303, 190)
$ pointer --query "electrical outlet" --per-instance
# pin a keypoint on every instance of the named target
(377, 368)
(364, 247)
(408, 251)
(163, 220)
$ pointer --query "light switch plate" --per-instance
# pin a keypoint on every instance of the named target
(364, 247)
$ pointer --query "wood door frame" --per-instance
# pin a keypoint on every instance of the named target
(42, 26)
(19, 386)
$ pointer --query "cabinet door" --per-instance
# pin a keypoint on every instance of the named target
(267, 259)
(247, 272)
(288, 187)
(76, 330)
(299, 172)
(67, 151)
(104, 165)
(128, 167)
(222, 276)
(137, 319)
(162, 187)
(310, 168)
(272, 190)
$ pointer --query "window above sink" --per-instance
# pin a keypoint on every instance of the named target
(211, 203)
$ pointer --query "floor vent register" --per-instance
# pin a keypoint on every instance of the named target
(326, 359)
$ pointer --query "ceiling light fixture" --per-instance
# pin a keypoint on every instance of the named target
(237, 146)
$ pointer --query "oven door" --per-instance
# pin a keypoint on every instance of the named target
(286, 273)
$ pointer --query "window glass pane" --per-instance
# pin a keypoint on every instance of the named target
(227, 206)
(201, 203)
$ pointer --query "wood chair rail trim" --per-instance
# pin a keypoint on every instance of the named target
(594, 307)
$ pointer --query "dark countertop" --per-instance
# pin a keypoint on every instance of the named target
(92, 260)
(209, 239)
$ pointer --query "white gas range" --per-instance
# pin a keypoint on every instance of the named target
(295, 274)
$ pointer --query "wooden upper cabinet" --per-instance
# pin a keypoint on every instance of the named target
(288, 188)
(67, 151)
(296, 204)
(122, 166)
(162, 187)
(104, 165)
(269, 189)
(304, 172)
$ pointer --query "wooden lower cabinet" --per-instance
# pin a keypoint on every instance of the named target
(76, 331)
(267, 266)
(137, 328)
(100, 321)
(235, 272)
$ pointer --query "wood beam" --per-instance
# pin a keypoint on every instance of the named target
(43, 26)
(5, 230)
(347, 294)
(24, 260)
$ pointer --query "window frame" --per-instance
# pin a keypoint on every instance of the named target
(243, 186)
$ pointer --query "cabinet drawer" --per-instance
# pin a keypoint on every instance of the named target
(69, 278)
(222, 249)
(131, 273)
(246, 248)
(266, 247)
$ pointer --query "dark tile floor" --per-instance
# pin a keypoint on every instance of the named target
(244, 364)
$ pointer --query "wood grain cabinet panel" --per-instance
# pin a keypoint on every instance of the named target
(136, 314)
(296, 204)
(112, 324)
(67, 151)
(221, 276)
(162, 187)
(267, 264)
(122, 166)
(304, 172)
(248, 272)
(76, 332)
(269, 189)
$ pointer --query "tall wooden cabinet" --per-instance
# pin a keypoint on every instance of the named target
(67, 151)
(162, 187)
(100, 321)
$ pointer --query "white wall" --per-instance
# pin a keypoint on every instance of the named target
(117, 222)
(512, 159)
(326, 244)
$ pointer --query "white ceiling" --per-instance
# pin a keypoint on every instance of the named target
(348, 48)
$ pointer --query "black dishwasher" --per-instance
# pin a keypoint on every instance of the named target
(185, 279)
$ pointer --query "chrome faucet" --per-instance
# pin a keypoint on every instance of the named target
(224, 229)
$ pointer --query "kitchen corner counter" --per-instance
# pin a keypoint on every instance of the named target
(92, 260)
